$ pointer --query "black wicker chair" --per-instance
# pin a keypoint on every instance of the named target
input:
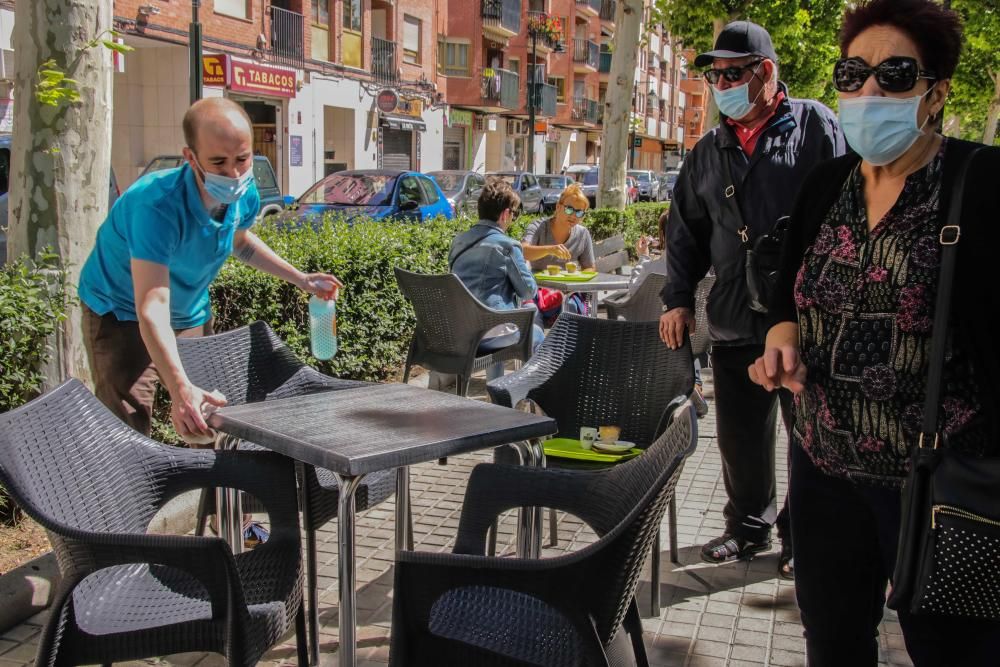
(592, 372)
(252, 364)
(701, 342)
(644, 305)
(574, 610)
(450, 325)
(94, 484)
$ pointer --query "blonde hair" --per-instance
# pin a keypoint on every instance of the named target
(573, 195)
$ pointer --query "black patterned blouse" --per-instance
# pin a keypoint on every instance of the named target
(865, 302)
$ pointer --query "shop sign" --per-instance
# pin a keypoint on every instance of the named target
(215, 69)
(386, 101)
(458, 117)
(295, 150)
(553, 135)
(261, 79)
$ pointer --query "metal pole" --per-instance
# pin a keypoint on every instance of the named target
(194, 52)
(531, 105)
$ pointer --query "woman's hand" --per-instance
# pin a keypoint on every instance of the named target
(323, 285)
(779, 367)
(560, 251)
(642, 246)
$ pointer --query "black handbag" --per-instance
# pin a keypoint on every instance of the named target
(762, 256)
(948, 560)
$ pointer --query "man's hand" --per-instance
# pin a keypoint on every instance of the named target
(189, 405)
(779, 367)
(672, 325)
(319, 284)
(560, 251)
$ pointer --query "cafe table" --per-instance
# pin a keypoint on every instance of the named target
(353, 432)
(601, 282)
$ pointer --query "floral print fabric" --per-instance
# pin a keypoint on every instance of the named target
(866, 309)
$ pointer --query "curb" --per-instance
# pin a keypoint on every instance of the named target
(28, 589)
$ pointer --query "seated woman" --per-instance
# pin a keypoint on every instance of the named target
(491, 265)
(561, 238)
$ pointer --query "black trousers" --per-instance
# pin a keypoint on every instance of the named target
(845, 550)
(746, 420)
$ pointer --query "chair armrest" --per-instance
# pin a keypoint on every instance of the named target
(509, 390)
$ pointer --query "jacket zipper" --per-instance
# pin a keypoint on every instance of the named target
(955, 511)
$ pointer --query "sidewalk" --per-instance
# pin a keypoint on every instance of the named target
(737, 614)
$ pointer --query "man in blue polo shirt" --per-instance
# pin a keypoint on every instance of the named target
(164, 241)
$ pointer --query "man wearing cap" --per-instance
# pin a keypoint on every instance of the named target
(740, 178)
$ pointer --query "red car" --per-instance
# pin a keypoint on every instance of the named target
(631, 189)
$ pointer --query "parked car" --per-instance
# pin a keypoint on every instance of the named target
(271, 199)
(5, 143)
(671, 181)
(631, 189)
(552, 187)
(526, 186)
(462, 188)
(649, 186)
(589, 180)
(373, 193)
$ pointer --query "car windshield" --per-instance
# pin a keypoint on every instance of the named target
(590, 178)
(352, 190)
(450, 183)
(264, 175)
(552, 182)
(643, 176)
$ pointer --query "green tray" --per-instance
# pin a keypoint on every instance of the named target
(567, 448)
(581, 277)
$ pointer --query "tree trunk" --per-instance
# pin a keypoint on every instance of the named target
(61, 156)
(618, 105)
(993, 116)
(711, 110)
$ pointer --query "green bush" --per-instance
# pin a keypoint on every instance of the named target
(635, 221)
(647, 216)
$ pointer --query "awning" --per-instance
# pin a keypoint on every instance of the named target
(400, 122)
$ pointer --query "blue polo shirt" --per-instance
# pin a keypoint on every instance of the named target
(162, 219)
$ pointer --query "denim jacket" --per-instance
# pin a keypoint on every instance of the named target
(492, 266)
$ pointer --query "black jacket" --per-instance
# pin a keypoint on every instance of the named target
(976, 291)
(702, 230)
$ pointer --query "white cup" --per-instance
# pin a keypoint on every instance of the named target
(588, 434)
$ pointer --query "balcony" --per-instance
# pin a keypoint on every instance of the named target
(501, 17)
(608, 8)
(604, 66)
(589, 7)
(586, 55)
(384, 66)
(586, 110)
(501, 88)
(287, 41)
(693, 86)
(543, 41)
(545, 100)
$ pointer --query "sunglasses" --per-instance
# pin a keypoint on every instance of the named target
(896, 74)
(731, 74)
(569, 210)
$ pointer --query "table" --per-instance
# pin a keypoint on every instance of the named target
(602, 282)
(376, 427)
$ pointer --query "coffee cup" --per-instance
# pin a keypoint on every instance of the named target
(553, 269)
(572, 267)
(588, 434)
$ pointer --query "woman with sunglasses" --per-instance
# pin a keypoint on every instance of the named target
(561, 238)
(852, 334)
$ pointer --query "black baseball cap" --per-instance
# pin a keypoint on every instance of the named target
(737, 40)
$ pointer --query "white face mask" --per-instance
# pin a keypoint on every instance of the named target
(881, 129)
(225, 189)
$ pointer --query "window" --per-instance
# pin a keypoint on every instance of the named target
(514, 65)
(453, 58)
(411, 39)
(237, 8)
(560, 84)
(352, 15)
(321, 12)
(430, 192)
(409, 190)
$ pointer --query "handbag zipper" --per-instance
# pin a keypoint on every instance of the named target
(955, 511)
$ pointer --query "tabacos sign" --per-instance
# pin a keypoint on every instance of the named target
(245, 77)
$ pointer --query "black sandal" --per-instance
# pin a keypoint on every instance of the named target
(732, 547)
(786, 561)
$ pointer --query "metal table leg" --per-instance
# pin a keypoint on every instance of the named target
(227, 504)
(345, 569)
(404, 530)
(537, 457)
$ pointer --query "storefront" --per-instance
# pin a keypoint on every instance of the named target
(456, 143)
(399, 131)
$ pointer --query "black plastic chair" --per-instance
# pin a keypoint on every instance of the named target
(94, 484)
(644, 305)
(252, 364)
(701, 342)
(451, 323)
(592, 372)
(574, 610)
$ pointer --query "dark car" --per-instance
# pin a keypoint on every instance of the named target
(271, 199)
(5, 143)
(588, 180)
(373, 193)
(526, 186)
(671, 177)
(552, 189)
(462, 189)
(649, 185)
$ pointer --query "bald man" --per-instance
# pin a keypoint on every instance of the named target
(162, 244)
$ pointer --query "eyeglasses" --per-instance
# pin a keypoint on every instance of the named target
(569, 210)
(731, 74)
(896, 74)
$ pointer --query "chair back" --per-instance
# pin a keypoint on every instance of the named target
(645, 304)
(595, 372)
(701, 341)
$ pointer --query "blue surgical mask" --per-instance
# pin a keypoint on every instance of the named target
(881, 129)
(224, 189)
(735, 102)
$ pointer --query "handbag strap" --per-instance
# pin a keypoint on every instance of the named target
(948, 239)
